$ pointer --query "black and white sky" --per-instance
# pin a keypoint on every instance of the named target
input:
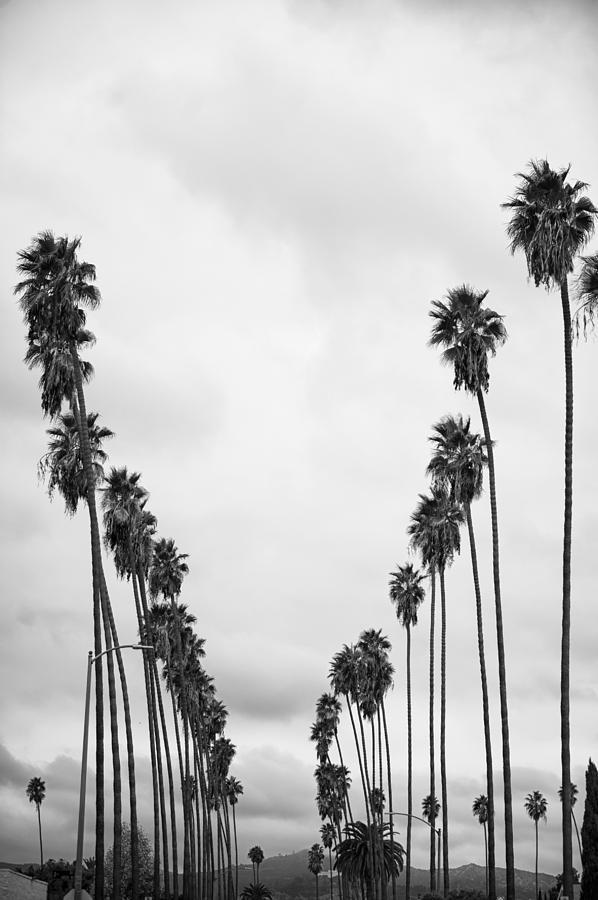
(273, 193)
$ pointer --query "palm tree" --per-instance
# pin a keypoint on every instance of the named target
(551, 222)
(256, 855)
(587, 312)
(36, 791)
(407, 593)
(168, 569)
(328, 834)
(468, 332)
(480, 811)
(257, 891)
(315, 863)
(234, 789)
(55, 291)
(434, 531)
(354, 856)
(574, 793)
(457, 463)
(536, 806)
(430, 813)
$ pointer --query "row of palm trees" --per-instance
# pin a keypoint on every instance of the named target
(55, 293)
(551, 222)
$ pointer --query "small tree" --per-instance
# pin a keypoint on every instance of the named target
(589, 836)
(256, 855)
(146, 863)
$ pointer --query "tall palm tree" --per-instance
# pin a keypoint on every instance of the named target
(536, 806)
(551, 222)
(574, 793)
(435, 532)
(480, 811)
(36, 791)
(234, 789)
(457, 463)
(166, 575)
(256, 855)
(54, 294)
(407, 593)
(328, 835)
(468, 332)
(315, 863)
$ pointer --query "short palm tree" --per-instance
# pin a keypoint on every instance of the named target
(480, 811)
(407, 594)
(430, 812)
(256, 855)
(315, 863)
(36, 791)
(536, 806)
(257, 891)
(355, 856)
(469, 332)
(457, 463)
(551, 222)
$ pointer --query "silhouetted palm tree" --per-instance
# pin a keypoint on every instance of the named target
(354, 855)
(586, 313)
(257, 891)
(457, 463)
(315, 863)
(328, 834)
(36, 791)
(551, 222)
(480, 811)
(407, 593)
(468, 332)
(536, 806)
(256, 855)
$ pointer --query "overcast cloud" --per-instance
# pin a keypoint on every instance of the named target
(272, 194)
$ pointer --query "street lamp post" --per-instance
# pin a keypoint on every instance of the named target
(81, 825)
(429, 824)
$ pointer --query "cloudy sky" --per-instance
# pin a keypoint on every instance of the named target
(273, 193)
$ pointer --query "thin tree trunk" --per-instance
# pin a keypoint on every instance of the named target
(39, 824)
(445, 855)
(130, 752)
(96, 568)
(502, 676)
(390, 818)
(185, 774)
(368, 807)
(486, 855)
(236, 851)
(578, 842)
(409, 769)
(490, 851)
(536, 823)
(346, 800)
(566, 620)
(431, 731)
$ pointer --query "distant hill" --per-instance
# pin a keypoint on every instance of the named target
(288, 876)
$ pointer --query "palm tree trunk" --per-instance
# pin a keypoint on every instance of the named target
(566, 620)
(502, 676)
(236, 851)
(486, 855)
(490, 852)
(175, 864)
(130, 752)
(317, 889)
(159, 721)
(431, 731)
(536, 823)
(330, 871)
(96, 568)
(39, 825)
(391, 823)
(371, 817)
(409, 770)
(346, 801)
(578, 842)
(364, 783)
(445, 856)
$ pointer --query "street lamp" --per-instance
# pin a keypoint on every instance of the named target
(79, 860)
(429, 824)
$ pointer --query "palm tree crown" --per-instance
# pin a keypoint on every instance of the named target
(480, 808)
(36, 791)
(587, 312)
(468, 332)
(552, 221)
(536, 805)
(407, 593)
(458, 458)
